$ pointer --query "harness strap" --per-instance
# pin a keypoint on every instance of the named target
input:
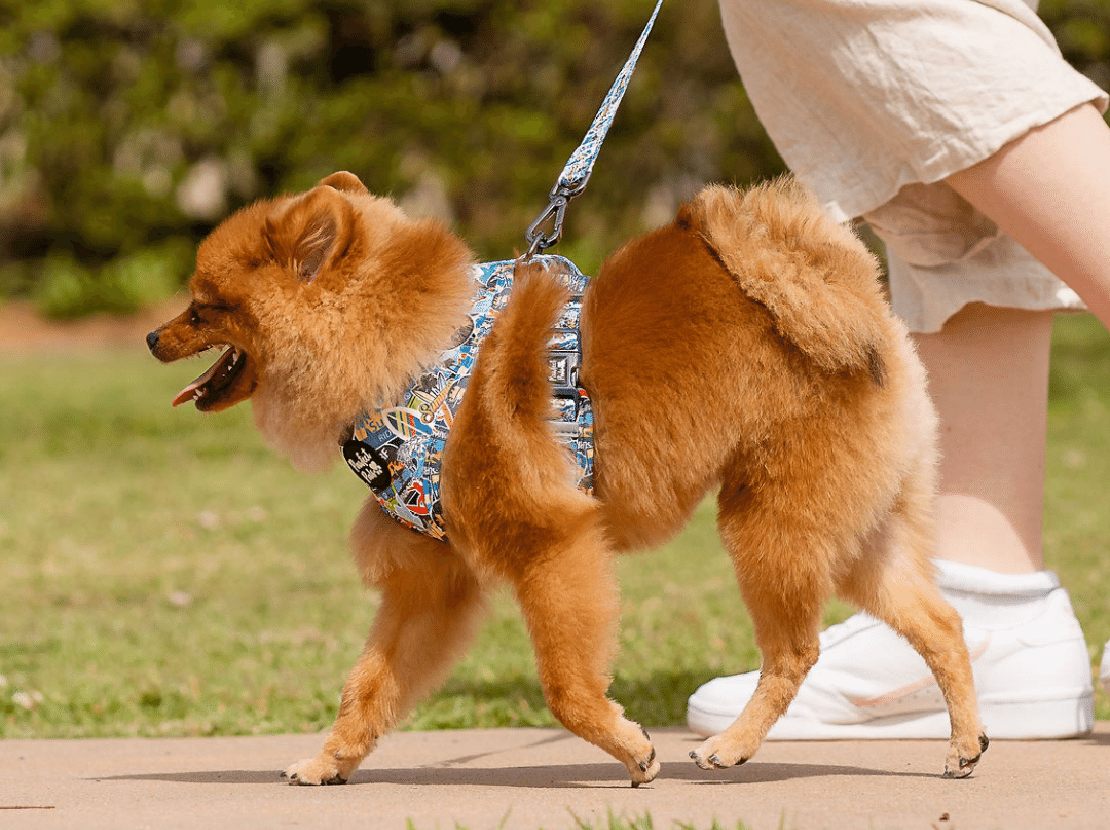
(398, 450)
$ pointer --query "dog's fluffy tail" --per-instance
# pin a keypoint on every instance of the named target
(508, 405)
(814, 276)
(515, 389)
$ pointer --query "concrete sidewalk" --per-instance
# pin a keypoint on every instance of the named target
(532, 778)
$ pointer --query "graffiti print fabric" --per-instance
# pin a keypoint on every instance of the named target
(398, 450)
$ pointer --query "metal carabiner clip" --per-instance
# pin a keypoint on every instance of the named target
(538, 241)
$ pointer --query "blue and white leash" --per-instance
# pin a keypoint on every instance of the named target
(572, 181)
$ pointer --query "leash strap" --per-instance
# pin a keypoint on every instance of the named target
(572, 181)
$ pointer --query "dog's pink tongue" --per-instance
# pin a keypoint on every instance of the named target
(190, 392)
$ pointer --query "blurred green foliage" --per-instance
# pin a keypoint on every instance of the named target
(128, 128)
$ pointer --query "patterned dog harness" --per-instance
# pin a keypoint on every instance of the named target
(398, 450)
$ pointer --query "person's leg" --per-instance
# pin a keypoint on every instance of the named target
(988, 377)
(1050, 190)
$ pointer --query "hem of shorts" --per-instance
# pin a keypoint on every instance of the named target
(946, 161)
(927, 323)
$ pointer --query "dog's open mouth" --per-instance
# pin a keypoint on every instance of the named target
(217, 383)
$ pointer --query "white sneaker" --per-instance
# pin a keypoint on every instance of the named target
(1033, 680)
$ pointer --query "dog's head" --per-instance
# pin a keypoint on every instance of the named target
(323, 303)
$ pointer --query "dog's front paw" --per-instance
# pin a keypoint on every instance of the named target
(720, 753)
(647, 766)
(314, 772)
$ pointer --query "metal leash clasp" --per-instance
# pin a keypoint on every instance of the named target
(538, 241)
(556, 211)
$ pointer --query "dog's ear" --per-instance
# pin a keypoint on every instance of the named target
(345, 182)
(316, 242)
(308, 232)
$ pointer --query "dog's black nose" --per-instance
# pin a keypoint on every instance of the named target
(152, 340)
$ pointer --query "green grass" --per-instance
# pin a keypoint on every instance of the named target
(162, 573)
(1077, 518)
(615, 821)
(645, 822)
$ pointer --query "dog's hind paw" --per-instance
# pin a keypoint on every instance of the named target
(719, 753)
(314, 772)
(960, 764)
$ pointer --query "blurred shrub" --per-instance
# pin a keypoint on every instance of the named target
(125, 125)
(123, 284)
(128, 128)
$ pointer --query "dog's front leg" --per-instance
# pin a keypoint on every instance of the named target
(430, 607)
(570, 601)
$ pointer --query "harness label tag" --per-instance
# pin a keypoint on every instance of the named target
(368, 464)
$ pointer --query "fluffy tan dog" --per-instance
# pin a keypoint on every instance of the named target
(746, 347)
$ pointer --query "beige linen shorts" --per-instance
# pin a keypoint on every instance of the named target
(872, 103)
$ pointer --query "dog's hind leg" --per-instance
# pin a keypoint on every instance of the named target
(892, 581)
(430, 606)
(784, 578)
(569, 596)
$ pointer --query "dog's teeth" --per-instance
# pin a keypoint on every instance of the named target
(218, 373)
(233, 362)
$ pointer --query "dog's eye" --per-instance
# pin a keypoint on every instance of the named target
(207, 312)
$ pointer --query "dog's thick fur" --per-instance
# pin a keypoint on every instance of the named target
(745, 346)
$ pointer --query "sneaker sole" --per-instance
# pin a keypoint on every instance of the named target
(1066, 716)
